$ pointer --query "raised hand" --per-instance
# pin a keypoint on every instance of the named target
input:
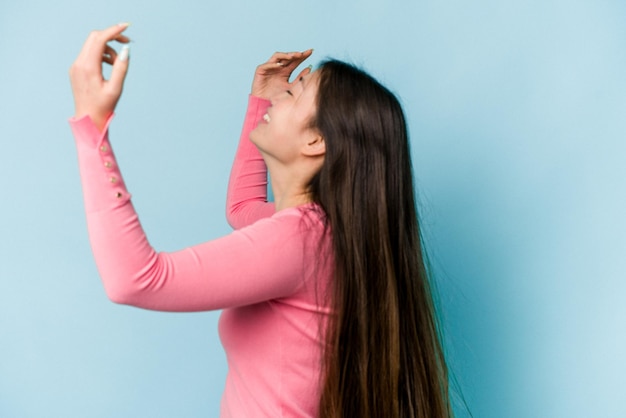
(272, 77)
(93, 94)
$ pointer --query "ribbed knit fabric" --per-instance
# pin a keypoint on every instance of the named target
(268, 275)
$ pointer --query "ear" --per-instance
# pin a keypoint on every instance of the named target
(314, 146)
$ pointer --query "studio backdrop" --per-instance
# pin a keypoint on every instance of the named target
(516, 116)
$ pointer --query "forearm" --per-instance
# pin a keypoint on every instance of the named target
(119, 244)
(242, 268)
(246, 199)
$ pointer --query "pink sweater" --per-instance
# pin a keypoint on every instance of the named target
(266, 275)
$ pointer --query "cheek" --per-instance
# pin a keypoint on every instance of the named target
(270, 140)
(265, 139)
(280, 130)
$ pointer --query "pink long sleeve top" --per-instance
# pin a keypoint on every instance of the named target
(266, 275)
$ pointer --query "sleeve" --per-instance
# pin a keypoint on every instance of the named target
(238, 269)
(246, 200)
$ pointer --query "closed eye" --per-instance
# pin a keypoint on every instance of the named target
(289, 92)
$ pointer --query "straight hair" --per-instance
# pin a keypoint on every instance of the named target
(383, 355)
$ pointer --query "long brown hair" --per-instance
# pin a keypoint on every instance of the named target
(383, 355)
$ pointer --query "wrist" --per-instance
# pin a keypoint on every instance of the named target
(98, 118)
(99, 121)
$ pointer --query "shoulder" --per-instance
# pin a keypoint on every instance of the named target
(286, 228)
(307, 218)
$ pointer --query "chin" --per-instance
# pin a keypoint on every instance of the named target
(253, 135)
(256, 139)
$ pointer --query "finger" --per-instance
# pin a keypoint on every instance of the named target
(109, 55)
(95, 44)
(286, 55)
(274, 70)
(108, 49)
(270, 68)
(120, 69)
(123, 39)
(280, 56)
(299, 57)
(296, 58)
(283, 64)
(295, 55)
(285, 59)
(115, 31)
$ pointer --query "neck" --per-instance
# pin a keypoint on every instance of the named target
(289, 195)
(289, 187)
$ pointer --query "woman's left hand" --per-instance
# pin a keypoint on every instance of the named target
(93, 95)
(272, 77)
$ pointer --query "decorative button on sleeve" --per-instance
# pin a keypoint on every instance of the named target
(103, 185)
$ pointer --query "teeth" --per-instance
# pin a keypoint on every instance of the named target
(266, 118)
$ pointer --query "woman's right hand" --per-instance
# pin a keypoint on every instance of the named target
(272, 77)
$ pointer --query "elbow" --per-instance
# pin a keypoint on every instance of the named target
(233, 215)
(230, 217)
(231, 207)
(232, 221)
(120, 295)
(131, 281)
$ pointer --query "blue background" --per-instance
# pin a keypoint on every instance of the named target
(516, 111)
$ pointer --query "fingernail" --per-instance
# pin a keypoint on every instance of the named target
(123, 56)
(310, 68)
(124, 24)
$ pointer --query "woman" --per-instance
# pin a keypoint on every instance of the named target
(327, 307)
